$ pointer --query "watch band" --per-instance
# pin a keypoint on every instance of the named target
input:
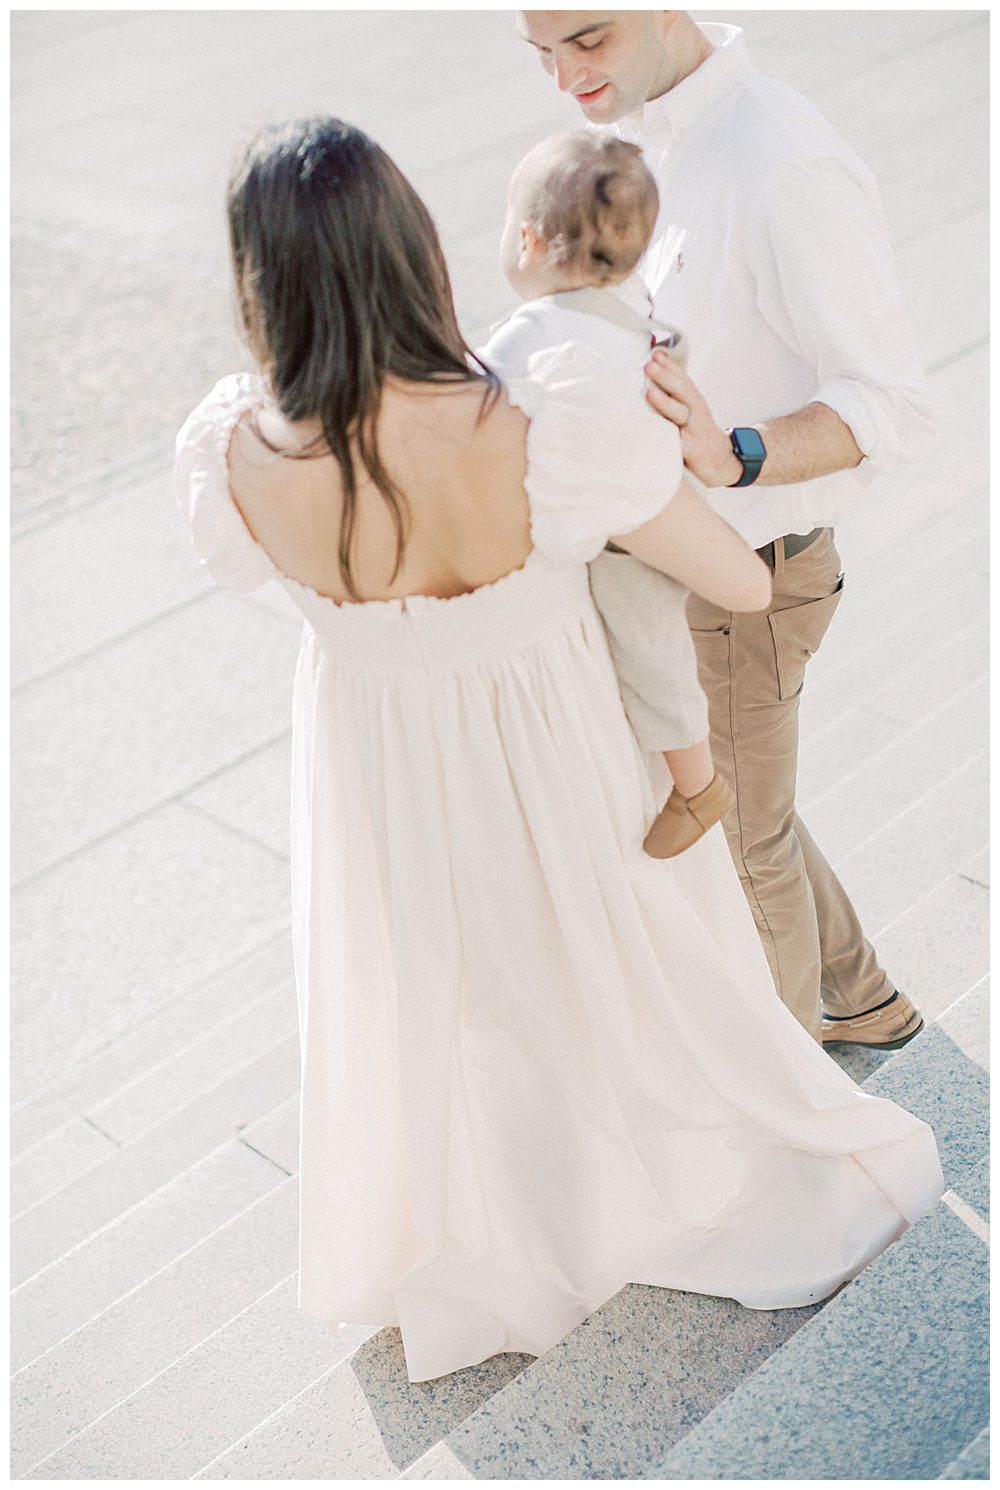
(750, 453)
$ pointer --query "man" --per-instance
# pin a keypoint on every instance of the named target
(802, 388)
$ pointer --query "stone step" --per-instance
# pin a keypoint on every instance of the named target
(319, 1419)
(363, 1419)
(933, 1078)
(884, 1384)
(835, 747)
(857, 678)
(973, 1463)
(135, 1171)
(626, 1390)
(900, 775)
(610, 1400)
(162, 1034)
(190, 1413)
(150, 1099)
(146, 1331)
(93, 1276)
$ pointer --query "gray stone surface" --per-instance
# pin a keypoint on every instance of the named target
(108, 937)
(973, 1463)
(439, 1463)
(949, 317)
(859, 1061)
(364, 1419)
(139, 563)
(919, 849)
(612, 1398)
(95, 750)
(836, 748)
(81, 398)
(168, 1029)
(155, 1096)
(277, 1135)
(193, 1411)
(139, 1168)
(119, 1257)
(905, 1344)
(901, 774)
(973, 1185)
(934, 1080)
(253, 797)
(978, 869)
(942, 673)
(56, 1161)
(940, 947)
(967, 1022)
(147, 1330)
(930, 562)
(895, 645)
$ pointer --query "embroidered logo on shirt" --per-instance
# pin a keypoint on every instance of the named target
(680, 263)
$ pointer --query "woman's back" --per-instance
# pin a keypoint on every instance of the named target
(457, 456)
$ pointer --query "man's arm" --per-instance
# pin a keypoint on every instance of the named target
(811, 442)
(825, 284)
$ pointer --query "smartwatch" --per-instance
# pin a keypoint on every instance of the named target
(748, 447)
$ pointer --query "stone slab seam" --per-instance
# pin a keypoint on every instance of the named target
(162, 1372)
(151, 1071)
(261, 1200)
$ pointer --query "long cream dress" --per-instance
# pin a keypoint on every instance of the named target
(536, 1064)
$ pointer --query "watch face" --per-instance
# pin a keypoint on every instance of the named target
(749, 444)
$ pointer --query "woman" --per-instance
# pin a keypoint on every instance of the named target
(536, 1064)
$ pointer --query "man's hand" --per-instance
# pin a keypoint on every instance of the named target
(811, 442)
(707, 449)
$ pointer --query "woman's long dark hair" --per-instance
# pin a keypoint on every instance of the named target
(341, 284)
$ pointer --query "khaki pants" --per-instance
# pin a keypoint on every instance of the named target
(752, 668)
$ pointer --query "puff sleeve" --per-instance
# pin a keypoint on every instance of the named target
(222, 539)
(600, 460)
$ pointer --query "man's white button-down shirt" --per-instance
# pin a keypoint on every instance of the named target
(771, 253)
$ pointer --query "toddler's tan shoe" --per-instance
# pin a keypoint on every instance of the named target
(888, 1026)
(683, 820)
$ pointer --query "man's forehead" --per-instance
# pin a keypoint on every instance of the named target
(548, 26)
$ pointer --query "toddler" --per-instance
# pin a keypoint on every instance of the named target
(580, 213)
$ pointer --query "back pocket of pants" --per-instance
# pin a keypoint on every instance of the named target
(797, 633)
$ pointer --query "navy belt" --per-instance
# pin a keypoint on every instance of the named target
(794, 544)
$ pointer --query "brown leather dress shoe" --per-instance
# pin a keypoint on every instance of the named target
(683, 820)
(888, 1026)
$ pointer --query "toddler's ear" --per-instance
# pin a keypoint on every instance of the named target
(532, 249)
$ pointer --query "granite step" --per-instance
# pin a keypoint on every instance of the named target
(628, 1388)
(973, 1463)
(90, 1372)
(134, 1172)
(164, 1033)
(65, 1296)
(141, 1104)
(509, 1418)
(884, 1384)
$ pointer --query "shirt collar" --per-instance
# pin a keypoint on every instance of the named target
(634, 292)
(665, 120)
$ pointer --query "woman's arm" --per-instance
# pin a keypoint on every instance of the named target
(691, 543)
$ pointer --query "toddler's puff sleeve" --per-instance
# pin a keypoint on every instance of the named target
(601, 462)
(222, 539)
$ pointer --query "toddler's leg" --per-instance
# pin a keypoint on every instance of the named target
(699, 799)
(692, 769)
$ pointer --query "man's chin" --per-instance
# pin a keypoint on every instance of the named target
(600, 107)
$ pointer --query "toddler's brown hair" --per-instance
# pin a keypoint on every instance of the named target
(593, 201)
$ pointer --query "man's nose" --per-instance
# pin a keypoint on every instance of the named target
(570, 72)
